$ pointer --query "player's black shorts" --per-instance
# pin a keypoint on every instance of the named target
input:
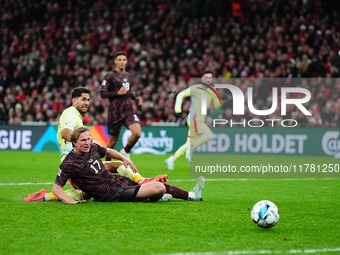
(114, 128)
(129, 194)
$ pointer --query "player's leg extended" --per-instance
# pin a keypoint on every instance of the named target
(201, 134)
(41, 195)
(151, 191)
(76, 194)
(136, 131)
(181, 150)
(195, 194)
(154, 191)
(118, 167)
(170, 162)
(112, 143)
(205, 135)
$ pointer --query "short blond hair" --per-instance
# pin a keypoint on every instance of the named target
(76, 133)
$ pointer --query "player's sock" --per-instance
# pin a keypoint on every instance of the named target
(176, 192)
(128, 173)
(191, 196)
(137, 178)
(127, 148)
(50, 197)
(188, 153)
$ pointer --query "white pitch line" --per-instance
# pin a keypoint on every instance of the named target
(180, 180)
(25, 183)
(304, 251)
(315, 250)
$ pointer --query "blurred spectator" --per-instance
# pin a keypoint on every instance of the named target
(50, 47)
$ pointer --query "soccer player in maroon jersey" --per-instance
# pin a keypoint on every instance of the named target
(71, 118)
(87, 171)
(117, 87)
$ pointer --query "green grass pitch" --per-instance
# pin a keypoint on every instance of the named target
(309, 213)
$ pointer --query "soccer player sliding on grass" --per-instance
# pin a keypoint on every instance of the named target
(87, 171)
(70, 119)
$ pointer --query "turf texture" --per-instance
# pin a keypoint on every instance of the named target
(221, 224)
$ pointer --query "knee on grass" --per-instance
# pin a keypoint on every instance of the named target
(159, 190)
(152, 191)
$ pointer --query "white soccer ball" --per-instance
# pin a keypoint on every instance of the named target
(265, 214)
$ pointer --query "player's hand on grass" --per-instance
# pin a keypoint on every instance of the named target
(80, 201)
(71, 201)
(122, 91)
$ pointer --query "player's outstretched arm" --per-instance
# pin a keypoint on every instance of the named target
(116, 155)
(179, 99)
(66, 134)
(58, 191)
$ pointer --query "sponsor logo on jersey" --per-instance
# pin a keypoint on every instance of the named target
(69, 124)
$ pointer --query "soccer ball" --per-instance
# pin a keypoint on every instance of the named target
(265, 214)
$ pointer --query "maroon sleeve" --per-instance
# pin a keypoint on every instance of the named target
(101, 150)
(62, 176)
(108, 94)
(108, 89)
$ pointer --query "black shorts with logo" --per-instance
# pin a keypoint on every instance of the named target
(129, 193)
(114, 128)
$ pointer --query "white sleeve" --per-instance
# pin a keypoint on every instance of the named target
(179, 99)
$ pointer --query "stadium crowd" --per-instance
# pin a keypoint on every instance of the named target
(49, 47)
